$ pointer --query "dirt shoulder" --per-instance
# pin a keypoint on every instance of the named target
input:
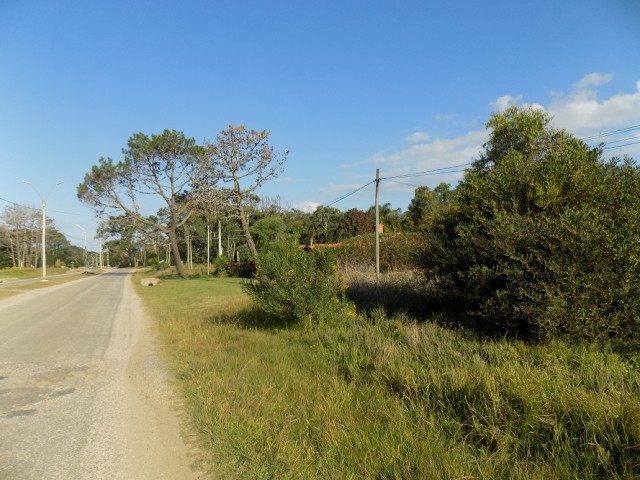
(159, 444)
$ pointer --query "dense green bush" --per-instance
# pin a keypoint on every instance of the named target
(295, 284)
(544, 240)
(221, 266)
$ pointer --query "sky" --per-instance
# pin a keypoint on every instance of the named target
(347, 87)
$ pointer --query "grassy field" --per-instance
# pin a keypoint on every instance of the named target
(388, 398)
(26, 273)
(9, 274)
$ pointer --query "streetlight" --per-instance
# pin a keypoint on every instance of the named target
(85, 244)
(44, 224)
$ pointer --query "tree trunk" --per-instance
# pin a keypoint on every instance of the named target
(173, 239)
(247, 234)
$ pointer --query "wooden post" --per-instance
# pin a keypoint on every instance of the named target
(208, 249)
(377, 225)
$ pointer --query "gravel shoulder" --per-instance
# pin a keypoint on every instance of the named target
(157, 446)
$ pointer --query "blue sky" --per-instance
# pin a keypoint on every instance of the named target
(346, 86)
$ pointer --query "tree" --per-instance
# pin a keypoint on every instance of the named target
(23, 231)
(427, 204)
(165, 166)
(323, 226)
(542, 241)
(390, 218)
(356, 222)
(130, 240)
(244, 160)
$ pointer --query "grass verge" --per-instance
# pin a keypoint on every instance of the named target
(387, 398)
(10, 289)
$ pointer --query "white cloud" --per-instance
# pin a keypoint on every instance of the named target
(582, 112)
(505, 102)
(417, 137)
(306, 206)
(594, 79)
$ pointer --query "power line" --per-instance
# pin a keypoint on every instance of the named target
(347, 195)
(623, 139)
(402, 183)
(48, 210)
(611, 132)
(619, 146)
(435, 171)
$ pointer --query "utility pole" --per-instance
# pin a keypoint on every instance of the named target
(44, 225)
(377, 227)
(219, 239)
(208, 249)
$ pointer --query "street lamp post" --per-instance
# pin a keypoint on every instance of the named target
(85, 244)
(44, 225)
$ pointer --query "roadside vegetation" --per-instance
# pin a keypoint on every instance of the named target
(378, 396)
(8, 275)
(500, 341)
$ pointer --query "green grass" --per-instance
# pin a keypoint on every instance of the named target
(26, 273)
(374, 397)
(8, 290)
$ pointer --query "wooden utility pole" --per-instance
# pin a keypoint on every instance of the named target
(208, 249)
(377, 226)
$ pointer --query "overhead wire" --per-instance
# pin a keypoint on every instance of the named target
(611, 132)
(347, 195)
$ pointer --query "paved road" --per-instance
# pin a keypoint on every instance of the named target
(83, 394)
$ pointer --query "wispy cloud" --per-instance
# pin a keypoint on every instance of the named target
(417, 137)
(594, 79)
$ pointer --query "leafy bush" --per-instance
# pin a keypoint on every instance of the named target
(221, 266)
(298, 285)
(543, 242)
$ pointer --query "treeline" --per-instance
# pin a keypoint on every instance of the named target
(272, 221)
(210, 208)
(21, 240)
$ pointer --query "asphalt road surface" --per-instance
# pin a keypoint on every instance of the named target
(83, 394)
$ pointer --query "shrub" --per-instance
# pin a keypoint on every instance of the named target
(543, 242)
(221, 266)
(297, 284)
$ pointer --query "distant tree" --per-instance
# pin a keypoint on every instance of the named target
(5, 252)
(166, 166)
(427, 204)
(323, 226)
(271, 229)
(389, 217)
(244, 160)
(131, 239)
(23, 233)
(356, 222)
